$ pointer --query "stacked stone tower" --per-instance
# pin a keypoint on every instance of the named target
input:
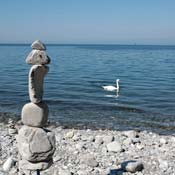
(36, 144)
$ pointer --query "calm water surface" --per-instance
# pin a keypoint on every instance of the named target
(73, 86)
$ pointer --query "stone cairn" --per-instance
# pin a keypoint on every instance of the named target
(36, 144)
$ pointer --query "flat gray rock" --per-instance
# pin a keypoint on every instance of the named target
(38, 45)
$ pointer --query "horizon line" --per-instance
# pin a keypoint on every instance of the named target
(74, 44)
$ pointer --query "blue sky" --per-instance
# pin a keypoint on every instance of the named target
(88, 21)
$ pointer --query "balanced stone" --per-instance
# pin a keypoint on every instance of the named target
(35, 114)
(38, 45)
(36, 57)
(26, 165)
(36, 79)
(35, 144)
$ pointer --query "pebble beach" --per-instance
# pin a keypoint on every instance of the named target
(97, 152)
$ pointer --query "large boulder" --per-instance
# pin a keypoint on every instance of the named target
(35, 144)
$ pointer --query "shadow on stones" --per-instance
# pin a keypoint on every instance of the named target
(116, 172)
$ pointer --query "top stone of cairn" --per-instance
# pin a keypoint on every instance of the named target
(38, 45)
(38, 55)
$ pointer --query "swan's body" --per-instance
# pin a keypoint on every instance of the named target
(112, 88)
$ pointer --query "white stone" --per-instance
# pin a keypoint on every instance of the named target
(114, 147)
(35, 144)
(163, 141)
(89, 160)
(35, 114)
(64, 172)
(38, 45)
(91, 138)
(38, 57)
(135, 140)
(130, 133)
(8, 164)
(99, 139)
(127, 141)
(36, 80)
(108, 139)
(163, 165)
(132, 166)
(76, 137)
(69, 134)
(12, 131)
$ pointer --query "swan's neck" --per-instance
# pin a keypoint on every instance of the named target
(117, 83)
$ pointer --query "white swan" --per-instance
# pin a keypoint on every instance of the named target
(112, 88)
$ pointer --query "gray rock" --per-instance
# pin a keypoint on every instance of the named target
(132, 166)
(26, 165)
(57, 158)
(12, 131)
(36, 80)
(108, 139)
(13, 171)
(130, 134)
(163, 165)
(91, 139)
(136, 140)
(9, 163)
(64, 172)
(82, 172)
(127, 141)
(35, 144)
(38, 57)
(99, 140)
(38, 45)
(89, 160)
(69, 134)
(35, 114)
(114, 147)
(163, 141)
(80, 146)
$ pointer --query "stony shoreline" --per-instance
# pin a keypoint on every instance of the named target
(99, 152)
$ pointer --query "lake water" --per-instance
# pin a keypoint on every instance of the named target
(73, 85)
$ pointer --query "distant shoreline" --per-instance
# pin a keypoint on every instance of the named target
(60, 44)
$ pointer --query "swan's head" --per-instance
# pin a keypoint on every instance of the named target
(117, 80)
